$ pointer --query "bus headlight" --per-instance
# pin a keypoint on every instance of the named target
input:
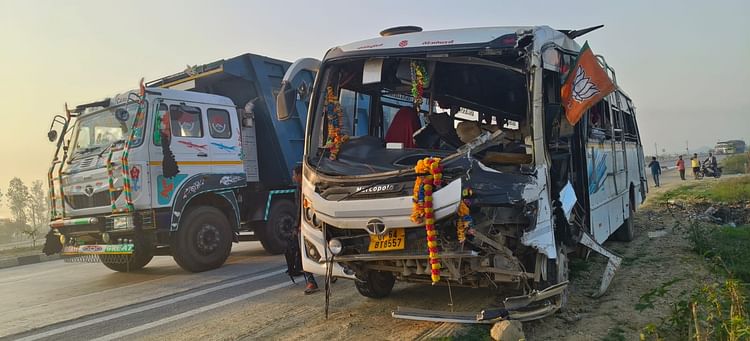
(335, 246)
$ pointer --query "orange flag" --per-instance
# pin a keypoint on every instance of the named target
(587, 83)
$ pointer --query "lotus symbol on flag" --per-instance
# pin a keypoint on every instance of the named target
(583, 88)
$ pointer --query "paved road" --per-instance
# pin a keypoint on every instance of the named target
(248, 298)
(58, 301)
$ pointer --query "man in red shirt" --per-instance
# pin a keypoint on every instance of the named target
(681, 167)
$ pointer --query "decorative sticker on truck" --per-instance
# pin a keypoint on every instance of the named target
(191, 145)
(135, 177)
(202, 183)
(224, 147)
(165, 187)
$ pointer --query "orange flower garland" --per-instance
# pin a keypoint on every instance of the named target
(423, 210)
(335, 116)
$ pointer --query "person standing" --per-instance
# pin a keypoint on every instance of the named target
(681, 167)
(696, 165)
(655, 170)
(294, 253)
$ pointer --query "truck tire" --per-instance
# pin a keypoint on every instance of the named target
(376, 284)
(278, 229)
(203, 240)
(137, 261)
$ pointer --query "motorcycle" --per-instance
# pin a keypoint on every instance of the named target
(708, 170)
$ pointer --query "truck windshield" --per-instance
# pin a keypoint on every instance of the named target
(100, 129)
(371, 119)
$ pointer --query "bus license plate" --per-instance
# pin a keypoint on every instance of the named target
(394, 239)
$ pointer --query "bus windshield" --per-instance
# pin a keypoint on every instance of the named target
(378, 115)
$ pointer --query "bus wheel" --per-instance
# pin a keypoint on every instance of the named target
(137, 261)
(203, 240)
(376, 284)
(626, 231)
(278, 229)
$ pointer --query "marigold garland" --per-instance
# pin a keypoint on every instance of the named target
(423, 211)
(465, 220)
(418, 79)
(335, 116)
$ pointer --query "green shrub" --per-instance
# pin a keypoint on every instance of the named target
(736, 164)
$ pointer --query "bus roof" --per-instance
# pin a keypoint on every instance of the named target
(453, 39)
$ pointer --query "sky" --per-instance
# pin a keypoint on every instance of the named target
(685, 64)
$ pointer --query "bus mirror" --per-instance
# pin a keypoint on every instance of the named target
(52, 135)
(285, 101)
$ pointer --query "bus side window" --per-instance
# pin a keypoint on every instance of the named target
(599, 123)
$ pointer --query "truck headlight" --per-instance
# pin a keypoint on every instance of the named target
(122, 222)
(335, 246)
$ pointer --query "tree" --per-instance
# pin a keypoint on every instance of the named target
(18, 196)
(38, 210)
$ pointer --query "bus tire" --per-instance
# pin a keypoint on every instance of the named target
(203, 241)
(626, 231)
(278, 229)
(376, 284)
(137, 261)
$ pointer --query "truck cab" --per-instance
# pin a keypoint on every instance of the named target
(175, 168)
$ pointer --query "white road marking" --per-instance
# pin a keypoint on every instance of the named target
(127, 312)
(189, 313)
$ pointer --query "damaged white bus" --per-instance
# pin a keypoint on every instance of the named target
(513, 188)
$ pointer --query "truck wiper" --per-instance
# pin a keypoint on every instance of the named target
(80, 152)
(110, 146)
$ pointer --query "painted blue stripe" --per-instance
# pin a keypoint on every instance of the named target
(270, 197)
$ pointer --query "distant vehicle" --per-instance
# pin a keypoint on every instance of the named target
(180, 167)
(534, 185)
(730, 147)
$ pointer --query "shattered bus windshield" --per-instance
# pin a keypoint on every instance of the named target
(378, 115)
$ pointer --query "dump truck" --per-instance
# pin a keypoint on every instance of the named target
(446, 158)
(183, 166)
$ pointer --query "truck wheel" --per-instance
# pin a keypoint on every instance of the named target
(203, 240)
(137, 261)
(278, 229)
(376, 284)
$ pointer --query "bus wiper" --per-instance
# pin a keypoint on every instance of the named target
(400, 173)
(381, 181)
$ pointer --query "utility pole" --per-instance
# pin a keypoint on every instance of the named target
(656, 151)
(687, 148)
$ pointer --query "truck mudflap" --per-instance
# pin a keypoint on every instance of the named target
(109, 253)
(537, 304)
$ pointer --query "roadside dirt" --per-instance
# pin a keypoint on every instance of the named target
(648, 263)
(287, 314)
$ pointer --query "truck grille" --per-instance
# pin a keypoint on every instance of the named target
(79, 201)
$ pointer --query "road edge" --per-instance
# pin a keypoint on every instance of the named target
(26, 260)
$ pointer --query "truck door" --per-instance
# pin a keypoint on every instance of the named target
(188, 143)
(224, 140)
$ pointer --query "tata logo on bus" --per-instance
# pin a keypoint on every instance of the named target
(403, 43)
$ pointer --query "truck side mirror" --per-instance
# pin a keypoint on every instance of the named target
(52, 135)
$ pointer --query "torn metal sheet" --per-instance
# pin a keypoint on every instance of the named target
(520, 308)
(613, 262)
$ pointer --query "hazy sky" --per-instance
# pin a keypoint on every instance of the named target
(686, 64)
